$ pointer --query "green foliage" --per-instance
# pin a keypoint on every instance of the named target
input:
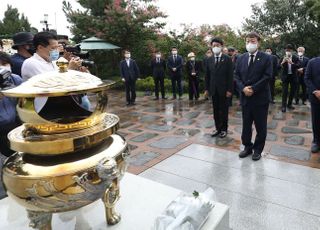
(13, 22)
(128, 24)
(278, 87)
(285, 21)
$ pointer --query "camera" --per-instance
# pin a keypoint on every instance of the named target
(76, 50)
(5, 81)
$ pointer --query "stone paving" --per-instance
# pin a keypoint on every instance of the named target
(167, 126)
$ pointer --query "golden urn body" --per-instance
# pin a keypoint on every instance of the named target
(68, 155)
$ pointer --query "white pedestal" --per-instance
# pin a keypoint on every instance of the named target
(141, 201)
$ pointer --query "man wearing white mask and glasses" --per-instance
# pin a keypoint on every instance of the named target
(219, 85)
(252, 74)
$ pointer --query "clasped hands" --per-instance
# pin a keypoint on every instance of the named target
(317, 94)
(248, 91)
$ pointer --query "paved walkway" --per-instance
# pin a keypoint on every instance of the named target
(156, 130)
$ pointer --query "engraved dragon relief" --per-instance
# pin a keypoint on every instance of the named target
(58, 200)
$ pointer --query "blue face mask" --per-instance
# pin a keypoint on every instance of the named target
(54, 55)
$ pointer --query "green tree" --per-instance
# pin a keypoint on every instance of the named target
(284, 21)
(130, 24)
(13, 22)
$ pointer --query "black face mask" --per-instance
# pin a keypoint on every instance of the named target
(31, 50)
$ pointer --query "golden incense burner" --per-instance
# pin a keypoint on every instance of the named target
(68, 155)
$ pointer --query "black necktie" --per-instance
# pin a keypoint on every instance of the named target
(217, 61)
(250, 62)
(174, 58)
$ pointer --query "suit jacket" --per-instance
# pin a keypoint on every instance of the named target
(219, 78)
(275, 66)
(303, 64)
(312, 78)
(175, 64)
(193, 67)
(295, 65)
(258, 78)
(158, 69)
(129, 73)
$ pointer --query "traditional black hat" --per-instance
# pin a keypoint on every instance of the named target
(22, 38)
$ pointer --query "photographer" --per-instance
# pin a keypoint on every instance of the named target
(290, 63)
(8, 114)
(46, 45)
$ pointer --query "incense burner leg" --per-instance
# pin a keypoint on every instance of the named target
(110, 199)
(40, 220)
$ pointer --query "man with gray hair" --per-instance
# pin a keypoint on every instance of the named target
(301, 70)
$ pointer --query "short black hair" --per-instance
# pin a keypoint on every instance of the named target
(5, 58)
(174, 47)
(269, 48)
(231, 49)
(43, 38)
(253, 35)
(218, 40)
(289, 47)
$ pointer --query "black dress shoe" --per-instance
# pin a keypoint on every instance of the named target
(256, 156)
(283, 109)
(223, 134)
(246, 152)
(291, 107)
(133, 103)
(315, 148)
(215, 133)
(304, 103)
(164, 98)
(296, 103)
(128, 103)
(156, 98)
(272, 102)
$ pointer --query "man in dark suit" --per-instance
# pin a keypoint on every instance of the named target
(312, 80)
(158, 67)
(300, 72)
(253, 73)
(218, 84)
(275, 67)
(193, 68)
(175, 63)
(289, 64)
(129, 73)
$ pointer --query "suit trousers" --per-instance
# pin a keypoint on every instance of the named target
(193, 87)
(272, 85)
(257, 114)
(301, 85)
(130, 90)
(315, 115)
(159, 80)
(292, 81)
(176, 83)
(220, 104)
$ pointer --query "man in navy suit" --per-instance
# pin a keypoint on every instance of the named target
(312, 80)
(290, 63)
(252, 74)
(275, 66)
(129, 71)
(301, 71)
(175, 63)
(158, 67)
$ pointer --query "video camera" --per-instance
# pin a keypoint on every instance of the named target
(76, 50)
(5, 79)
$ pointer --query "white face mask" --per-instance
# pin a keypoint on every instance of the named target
(127, 55)
(174, 52)
(300, 54)
(268, 53)
(251, 47)
(216, 50)
(6, 67)
(192, 58)
(158, 55)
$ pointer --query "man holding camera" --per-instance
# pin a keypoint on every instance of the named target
(8, 113)
(46, 45)
(290, 63)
